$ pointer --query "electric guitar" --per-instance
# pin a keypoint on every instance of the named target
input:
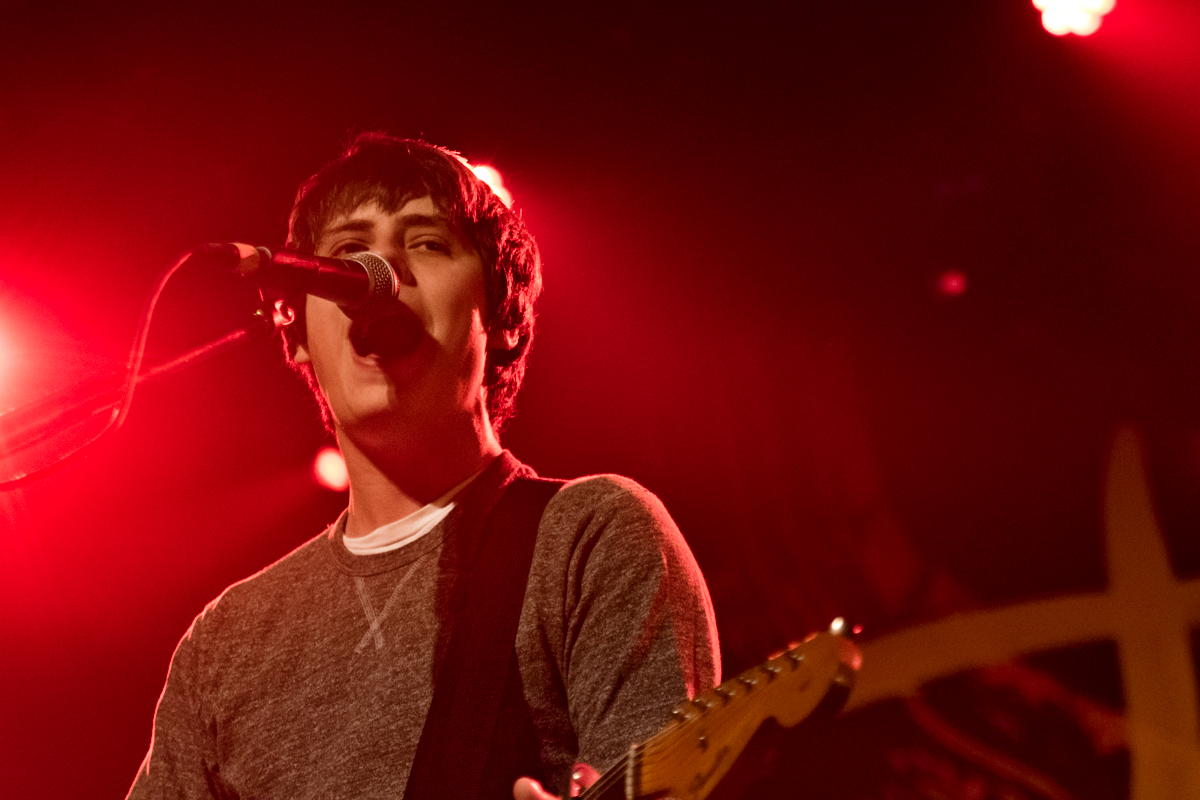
(688, 758)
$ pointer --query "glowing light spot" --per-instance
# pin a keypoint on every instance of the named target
(952, 283)
(6, 358)
(492, 177)
(838, 625)
(330, 470)
(1080, 17)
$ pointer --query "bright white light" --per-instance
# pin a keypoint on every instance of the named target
(1085, 23)
(492, 177)
(330, 470)
(1080, 17)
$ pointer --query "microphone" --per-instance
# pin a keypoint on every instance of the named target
(363, 284)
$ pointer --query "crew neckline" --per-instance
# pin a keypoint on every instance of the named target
(408, 529)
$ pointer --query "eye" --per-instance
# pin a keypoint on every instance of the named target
(347, 247)
(432, 245)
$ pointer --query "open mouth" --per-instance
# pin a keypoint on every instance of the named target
(393, 335)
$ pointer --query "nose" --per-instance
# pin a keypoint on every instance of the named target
(397, 258)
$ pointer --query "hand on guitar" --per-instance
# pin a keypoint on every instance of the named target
(582, 777)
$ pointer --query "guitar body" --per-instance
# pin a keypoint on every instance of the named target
(688, 758)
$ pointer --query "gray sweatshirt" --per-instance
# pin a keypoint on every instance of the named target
(312, 678)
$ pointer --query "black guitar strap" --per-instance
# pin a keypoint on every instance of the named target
(461, 729)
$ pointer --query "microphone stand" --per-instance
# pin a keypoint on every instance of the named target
(58, 413)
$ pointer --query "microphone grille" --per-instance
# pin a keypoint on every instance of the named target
(382, 286)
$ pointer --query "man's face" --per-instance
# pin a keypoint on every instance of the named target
(387, 400)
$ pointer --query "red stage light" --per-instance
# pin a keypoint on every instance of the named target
(1080, 17)
(492, 177)
(330, 470)
(952, 283)
(6, 361)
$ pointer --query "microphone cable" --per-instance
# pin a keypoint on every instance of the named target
(43, 425)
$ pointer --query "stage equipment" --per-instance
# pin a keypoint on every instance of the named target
(362, 284)
(52, 429)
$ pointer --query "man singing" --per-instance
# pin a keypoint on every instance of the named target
(326, 674)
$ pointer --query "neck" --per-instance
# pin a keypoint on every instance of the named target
(389, 483)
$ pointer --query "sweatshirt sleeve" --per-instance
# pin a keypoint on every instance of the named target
(181, 760)
(640, 635)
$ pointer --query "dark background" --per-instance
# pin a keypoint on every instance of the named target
(744, 216)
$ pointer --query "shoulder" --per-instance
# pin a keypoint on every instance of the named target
(607, 498)
(258, 596)
(612, 508)
(602, 524)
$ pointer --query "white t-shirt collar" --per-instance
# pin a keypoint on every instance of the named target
(406, 530)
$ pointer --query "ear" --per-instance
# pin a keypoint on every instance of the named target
(503, 338)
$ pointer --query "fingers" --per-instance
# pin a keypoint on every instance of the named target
(529, 789)
(582, 776)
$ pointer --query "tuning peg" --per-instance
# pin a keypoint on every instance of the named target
(839, 628)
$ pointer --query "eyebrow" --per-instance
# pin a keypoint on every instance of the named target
(426, 220)
(350, 226)
(411, 220)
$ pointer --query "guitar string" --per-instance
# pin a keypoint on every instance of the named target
(611, 776)
(650, 746)
(616, 772)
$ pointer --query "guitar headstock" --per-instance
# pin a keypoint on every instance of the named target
(689, 757)
(809, 678)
